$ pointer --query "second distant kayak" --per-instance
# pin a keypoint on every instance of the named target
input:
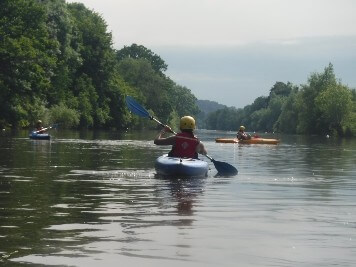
(253, 140)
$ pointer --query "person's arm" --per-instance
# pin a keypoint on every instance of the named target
(239, 136)
(159, 140)
(201, 149)
(41, 130)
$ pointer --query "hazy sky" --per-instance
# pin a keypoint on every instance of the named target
(233, 51)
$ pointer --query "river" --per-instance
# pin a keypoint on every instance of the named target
(94, 199)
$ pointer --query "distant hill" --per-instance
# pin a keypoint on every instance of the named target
(208, 106)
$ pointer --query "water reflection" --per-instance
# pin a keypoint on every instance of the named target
(184, 192)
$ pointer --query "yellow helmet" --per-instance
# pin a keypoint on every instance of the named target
(39, 122)
(187, 123)
(242, 128)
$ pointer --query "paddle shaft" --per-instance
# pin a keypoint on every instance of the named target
(44, 129)
(163, 125)
(49, 127)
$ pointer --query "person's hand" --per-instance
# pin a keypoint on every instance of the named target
(167, 129)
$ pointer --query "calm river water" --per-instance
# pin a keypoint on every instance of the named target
(93, 199)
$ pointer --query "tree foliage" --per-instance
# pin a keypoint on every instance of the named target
(27, 60)
(140, 52)
(335, 105)
(309, 116)
(57, 63)
(321, 106)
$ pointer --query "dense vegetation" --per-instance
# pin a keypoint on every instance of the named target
(206, 107)
(57, 63)
(322, 106)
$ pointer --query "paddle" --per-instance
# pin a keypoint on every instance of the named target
(46, 129)
(223, 168)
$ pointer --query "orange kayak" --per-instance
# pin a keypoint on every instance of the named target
(253, 140)
(226, 140)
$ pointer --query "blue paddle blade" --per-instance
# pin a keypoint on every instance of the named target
(136, 108)
(224, 168)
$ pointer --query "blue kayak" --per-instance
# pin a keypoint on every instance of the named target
(181, 166)
(39, 136)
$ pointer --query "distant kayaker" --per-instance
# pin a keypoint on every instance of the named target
(39, 127)
(241, 135)
(184, 144)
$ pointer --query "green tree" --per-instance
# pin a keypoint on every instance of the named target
(64, 115)
(120, 116)
(140, 52)
(281, 89)
(61, 29)
(87, 100)
(321, 106)
(27, 60)
(154, 88)
(259, 103)
(335, 105)
(57, 58)
(288, 119)
(350, 125)
(310, 119)
(183, 101)
(97, 54)
(260, 120)
(263, 113)
(223, 119)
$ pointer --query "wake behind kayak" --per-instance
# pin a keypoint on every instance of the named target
(172, 166)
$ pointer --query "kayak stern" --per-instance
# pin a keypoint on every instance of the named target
(173, 166)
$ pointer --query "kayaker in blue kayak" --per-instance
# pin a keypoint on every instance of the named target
(184, 144)
(241, 135)
(39, 127)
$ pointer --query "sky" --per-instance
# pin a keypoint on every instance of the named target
(233, 51)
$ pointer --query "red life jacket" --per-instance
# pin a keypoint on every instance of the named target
(185, 146)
